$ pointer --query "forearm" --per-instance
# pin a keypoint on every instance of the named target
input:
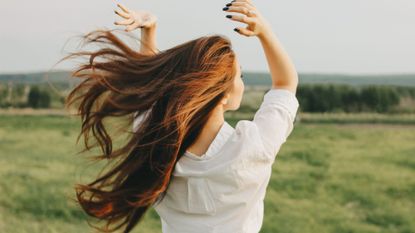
(283, 72)
(148, 43)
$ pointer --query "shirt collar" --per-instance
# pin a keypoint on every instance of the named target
(224, 132)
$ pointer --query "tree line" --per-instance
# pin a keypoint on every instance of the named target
(22, 96)
(344, 98)
(312, 98)
(320, 98)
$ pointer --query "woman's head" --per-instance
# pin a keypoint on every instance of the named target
(232, 99)
(180, 87)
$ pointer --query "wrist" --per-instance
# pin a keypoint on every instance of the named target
(150, 29)
(266, 32)
(148, 34)
(148, 40)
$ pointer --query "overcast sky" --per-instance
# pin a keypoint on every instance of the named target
(353, 36)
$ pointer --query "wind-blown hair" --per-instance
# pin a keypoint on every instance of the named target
(178, 87)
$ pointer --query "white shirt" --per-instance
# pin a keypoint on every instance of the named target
(223, 190)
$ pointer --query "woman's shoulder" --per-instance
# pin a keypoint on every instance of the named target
(246, 131)
(228, 149)
(246, 142)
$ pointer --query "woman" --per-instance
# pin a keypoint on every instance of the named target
(182, 158)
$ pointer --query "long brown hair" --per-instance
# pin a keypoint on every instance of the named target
(179, 87)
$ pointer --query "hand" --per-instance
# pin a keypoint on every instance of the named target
(135, 19)
(257, 25)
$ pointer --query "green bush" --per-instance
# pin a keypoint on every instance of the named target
(38, 98)
(344, 98)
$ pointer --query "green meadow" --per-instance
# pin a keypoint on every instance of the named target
(328, 177)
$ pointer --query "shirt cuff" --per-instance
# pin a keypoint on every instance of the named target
(283, 98)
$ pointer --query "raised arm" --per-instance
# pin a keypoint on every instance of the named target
(275, 117)
(140, 19)
(283, 73)
(148, 41)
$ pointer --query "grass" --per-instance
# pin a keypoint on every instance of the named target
(340, 178)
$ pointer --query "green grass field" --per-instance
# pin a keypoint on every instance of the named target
(339, 178)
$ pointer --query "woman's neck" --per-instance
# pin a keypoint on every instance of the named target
(208, 133)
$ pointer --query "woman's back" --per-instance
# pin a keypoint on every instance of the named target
(223, 190)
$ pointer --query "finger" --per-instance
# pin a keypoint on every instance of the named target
(244, 31)
(241, 18)
(248, 1)
(132, 26)
(125, 22)
(123, 8)
(122, 14)
(251, 9)
(238, 9)
(243, 1)
(242, 4)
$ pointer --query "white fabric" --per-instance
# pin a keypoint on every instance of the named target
(223, 190)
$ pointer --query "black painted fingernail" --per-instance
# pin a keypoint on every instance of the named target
(236, 30)
(229, 16)
(229, 4)
(225, 8)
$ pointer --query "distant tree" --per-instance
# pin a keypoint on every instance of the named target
(38, 98)
(380, 98)
(345, 98)
(350, 98)
(34, 97)
(319, 98)
(3, 95)
(334, 97)
(302, 96)
(45, 99)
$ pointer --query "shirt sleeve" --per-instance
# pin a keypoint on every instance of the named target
(138, 119)
(274, 119)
